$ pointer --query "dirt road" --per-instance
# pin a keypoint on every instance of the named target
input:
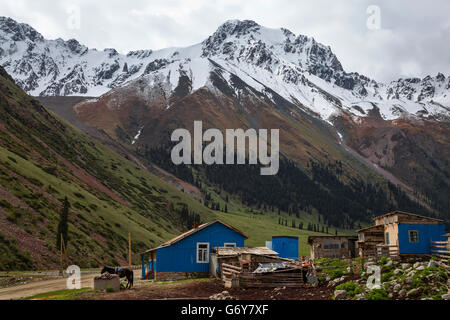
(33, 288)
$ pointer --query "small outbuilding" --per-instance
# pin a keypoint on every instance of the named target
(286, 246)
(401, 233)
(343, 247)
(190, 251)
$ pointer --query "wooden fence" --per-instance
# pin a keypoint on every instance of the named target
(440, 249)
(386, 250)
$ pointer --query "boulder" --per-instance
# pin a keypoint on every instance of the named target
(413, 292)
(416, 265)
(408, 281)
(389, 263)
(402, 293)
(405, 265)
(105, 281)
(420, 268)
(340, 294)
(432, 263)
(397, 287)
(446, 296)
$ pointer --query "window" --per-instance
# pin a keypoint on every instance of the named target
(413, 236)
(361, 236)
(329, 246)
(229, 245)
(202, 252)
(386, 237)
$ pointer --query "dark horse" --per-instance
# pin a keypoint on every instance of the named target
(121, 272)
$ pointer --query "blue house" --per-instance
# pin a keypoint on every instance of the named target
(404, 233)
(190, 251)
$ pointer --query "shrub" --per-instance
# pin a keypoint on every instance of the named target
(5, 204)
(336, 274)
(109, 289)
(383, 260)
(351, 288)
(78, 195)
(386, 276)
(377, 294)
(12, 159)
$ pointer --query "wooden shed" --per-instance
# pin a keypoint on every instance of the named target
(343, 247)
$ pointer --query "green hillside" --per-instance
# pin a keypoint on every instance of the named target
(42, 160)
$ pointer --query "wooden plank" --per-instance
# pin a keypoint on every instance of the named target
(230, 266)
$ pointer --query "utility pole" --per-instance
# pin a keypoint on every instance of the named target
(129, 249)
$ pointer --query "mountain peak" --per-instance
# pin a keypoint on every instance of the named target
(19, 31)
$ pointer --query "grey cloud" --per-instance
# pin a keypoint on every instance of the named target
(414, 39)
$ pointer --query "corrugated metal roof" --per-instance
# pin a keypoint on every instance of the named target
(192, 231)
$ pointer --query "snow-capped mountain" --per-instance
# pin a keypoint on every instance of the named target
(297, 68)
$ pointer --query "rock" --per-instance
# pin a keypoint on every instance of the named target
(413, 292)
(390, 296)
(389, 263)
(397, 287)
(397, 271)
(432, 263)
(402, 293)
(420, 268)
(416, 265)
(340, 294)
(224, 295)
(408, 281)
(405, 265)
(328, 278)
(448, 283)
(446, 296)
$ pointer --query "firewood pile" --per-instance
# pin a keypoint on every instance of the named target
(106, 276)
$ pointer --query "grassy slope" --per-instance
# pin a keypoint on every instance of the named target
(43, 160)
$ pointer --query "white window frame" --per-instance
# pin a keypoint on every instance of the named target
(207, 253)
(386, 238)
(229, 245)
(409, 236)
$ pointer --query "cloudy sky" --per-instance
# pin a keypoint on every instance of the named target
(384, 40)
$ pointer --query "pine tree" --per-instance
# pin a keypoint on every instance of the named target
(63, 226)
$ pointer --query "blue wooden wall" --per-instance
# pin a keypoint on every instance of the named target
(286, 247)
(182, 256)
(426, 233)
